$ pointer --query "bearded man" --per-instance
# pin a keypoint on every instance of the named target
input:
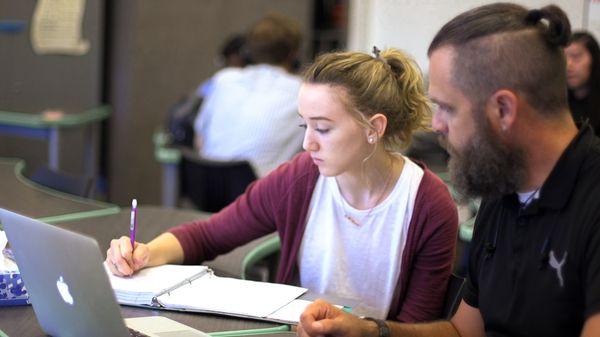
(498, 78)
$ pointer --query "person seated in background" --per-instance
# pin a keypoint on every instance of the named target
(232, 55)
(252, 112)
(356, 219)
(583, 79)
(182, 115)
(498, 76)
(425, 146)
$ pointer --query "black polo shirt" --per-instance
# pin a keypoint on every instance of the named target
(536, 271)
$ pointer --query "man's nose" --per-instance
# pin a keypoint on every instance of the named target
(438, 124)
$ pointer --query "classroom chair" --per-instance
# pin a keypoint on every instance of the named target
(211, 185)
(63, 182)
(262, 261)
(257, 260)
(454, 294)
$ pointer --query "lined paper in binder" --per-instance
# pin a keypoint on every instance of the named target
(196, 288)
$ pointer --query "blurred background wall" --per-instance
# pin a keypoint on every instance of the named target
(144, 55)
(411, 24)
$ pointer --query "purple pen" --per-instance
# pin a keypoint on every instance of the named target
(133, 222)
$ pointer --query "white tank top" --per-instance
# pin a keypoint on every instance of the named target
(360, 262)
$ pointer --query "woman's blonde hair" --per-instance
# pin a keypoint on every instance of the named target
(389, 83)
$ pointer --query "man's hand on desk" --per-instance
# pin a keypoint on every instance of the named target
(321, 318)
(123, 260)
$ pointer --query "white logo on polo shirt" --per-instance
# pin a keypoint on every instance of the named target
(554, 263)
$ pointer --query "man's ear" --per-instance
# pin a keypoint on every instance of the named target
(378, 125)
(503, 109)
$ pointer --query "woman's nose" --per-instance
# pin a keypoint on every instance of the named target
(309, 144)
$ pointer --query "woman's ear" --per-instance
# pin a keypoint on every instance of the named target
(378, 125)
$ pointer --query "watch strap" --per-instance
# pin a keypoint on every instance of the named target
(384, 329)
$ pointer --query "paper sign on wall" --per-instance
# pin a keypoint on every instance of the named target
(56, 27)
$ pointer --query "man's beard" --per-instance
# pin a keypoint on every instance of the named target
(485, 167)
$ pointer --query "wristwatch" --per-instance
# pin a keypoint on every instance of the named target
(384, 330)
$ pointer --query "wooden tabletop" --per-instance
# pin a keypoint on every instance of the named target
(20, 321)
(21, 195)
(152, 220)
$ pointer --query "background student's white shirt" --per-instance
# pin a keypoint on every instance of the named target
(251, 114)
(358, 262)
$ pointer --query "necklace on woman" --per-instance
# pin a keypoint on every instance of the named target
(359, 222)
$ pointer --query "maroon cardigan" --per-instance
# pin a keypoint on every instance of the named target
(280, 202)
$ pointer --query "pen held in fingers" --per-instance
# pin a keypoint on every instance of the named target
(133, 222)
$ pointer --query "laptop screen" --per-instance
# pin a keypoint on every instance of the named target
(63, 272)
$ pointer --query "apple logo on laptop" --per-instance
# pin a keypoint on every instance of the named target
(63, 290)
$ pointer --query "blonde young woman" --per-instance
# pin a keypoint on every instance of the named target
(356, 219)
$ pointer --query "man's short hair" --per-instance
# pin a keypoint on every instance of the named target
(506, 46)
(273, 39)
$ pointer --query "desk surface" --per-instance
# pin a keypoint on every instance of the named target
(20, 321)
(21, 195)
(152, 221)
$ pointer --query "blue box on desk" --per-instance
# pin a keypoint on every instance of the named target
(12, 289)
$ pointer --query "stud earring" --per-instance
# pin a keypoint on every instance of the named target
(371, 140)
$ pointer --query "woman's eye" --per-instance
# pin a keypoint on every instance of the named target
(317, 129)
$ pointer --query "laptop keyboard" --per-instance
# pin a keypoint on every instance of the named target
(135, 333)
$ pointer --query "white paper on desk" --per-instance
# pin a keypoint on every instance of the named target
(291, 312)
(148, 282)
(232, 296)
(56, 27)
(155, 279)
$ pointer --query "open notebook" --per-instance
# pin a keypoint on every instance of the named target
(196, 288)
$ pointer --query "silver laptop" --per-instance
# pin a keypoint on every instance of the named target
(68, 286)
